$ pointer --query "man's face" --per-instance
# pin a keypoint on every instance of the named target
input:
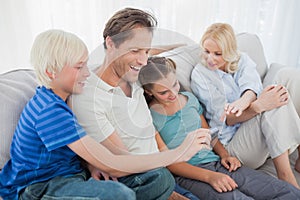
(132, 55)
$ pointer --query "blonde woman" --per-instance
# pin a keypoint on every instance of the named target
(255, 123)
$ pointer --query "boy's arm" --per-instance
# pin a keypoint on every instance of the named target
(116, 146)
(121, 165)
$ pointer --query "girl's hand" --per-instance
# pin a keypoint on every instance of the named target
(231, 163)
(222, 182)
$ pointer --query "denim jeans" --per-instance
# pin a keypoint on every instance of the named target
(185, 193)
(77, 187)
(154, 184)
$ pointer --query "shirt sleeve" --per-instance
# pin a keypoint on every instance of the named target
(247, 75)
(57, 126)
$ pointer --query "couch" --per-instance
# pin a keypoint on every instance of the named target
(18, 86)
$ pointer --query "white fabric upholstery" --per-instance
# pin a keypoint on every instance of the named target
(16, 87)
(251, 44)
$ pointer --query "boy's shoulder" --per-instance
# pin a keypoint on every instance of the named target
(44, 100)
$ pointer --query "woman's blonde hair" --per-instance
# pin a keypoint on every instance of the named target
(52, 50)
(224, 36)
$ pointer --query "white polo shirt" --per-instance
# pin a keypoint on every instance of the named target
(101, 109)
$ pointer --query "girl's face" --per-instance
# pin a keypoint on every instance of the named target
(213, 55)
(166, 90)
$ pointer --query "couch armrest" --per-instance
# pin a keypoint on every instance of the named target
(16, 87)
(287, 76)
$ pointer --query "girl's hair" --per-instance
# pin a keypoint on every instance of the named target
(224, 36)
(156, 69)
(119, 26)
(52, 50)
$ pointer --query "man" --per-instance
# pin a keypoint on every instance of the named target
(112, 108)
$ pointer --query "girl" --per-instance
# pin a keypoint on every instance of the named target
(258, 123)
(210, 174)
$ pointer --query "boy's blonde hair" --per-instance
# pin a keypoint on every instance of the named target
(52, 50)
(224, 36)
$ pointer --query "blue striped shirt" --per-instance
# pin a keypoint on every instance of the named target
(39, 148)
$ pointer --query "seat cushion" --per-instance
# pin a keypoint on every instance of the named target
(16, 87)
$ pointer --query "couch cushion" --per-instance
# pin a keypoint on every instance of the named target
(185, 57)
(287, 76)
(251, 44)
(16, 87)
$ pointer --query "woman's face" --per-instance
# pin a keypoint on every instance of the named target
(213, 55)
(166, 90)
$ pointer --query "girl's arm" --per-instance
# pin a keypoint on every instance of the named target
(229, 162)
(219, 181)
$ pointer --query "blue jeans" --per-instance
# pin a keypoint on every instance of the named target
(154, 184)
(77, 187)
(185, 193)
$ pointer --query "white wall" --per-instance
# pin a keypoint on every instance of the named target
(275, 21)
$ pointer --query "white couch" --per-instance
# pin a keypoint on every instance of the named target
(18, 86)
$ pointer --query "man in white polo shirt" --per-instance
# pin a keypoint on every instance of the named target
(112, 108)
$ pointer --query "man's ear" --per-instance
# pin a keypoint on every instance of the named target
(109, 42)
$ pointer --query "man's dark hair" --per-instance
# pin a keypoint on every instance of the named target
(119, 25)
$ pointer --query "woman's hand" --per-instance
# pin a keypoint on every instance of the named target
(222, 182)
(271, 97)
(231, 163)
(237, 107)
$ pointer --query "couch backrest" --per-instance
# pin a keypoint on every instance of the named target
(16, 88)
(251, 44)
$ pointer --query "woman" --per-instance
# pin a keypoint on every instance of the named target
(255, 123)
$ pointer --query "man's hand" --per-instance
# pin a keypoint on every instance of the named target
(97, 174)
